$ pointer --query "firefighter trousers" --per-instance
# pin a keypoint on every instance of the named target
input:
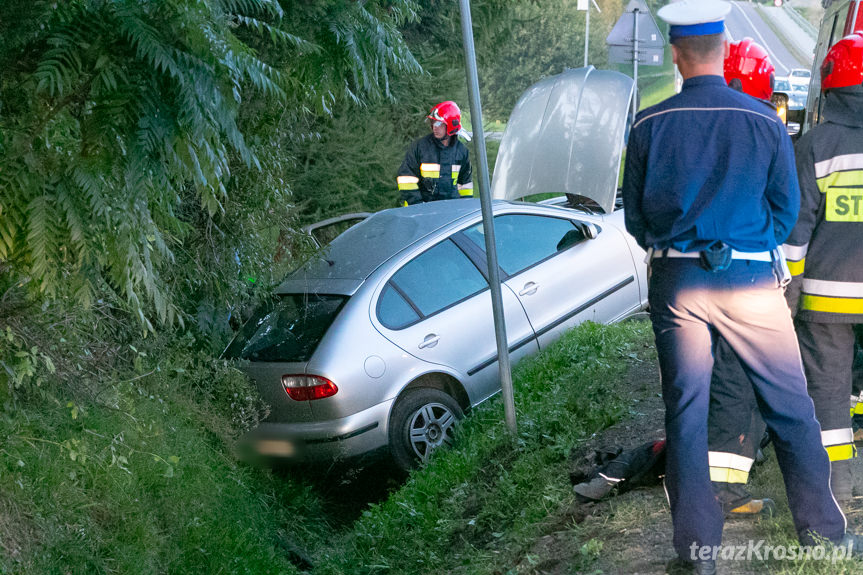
(742, 304)
(827, 350)
(734, 425)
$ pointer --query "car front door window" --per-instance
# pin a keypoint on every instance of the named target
(523, 240)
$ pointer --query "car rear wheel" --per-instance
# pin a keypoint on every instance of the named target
(422, 421)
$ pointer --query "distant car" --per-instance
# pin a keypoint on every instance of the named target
(799, 77)
(797, 94)
(386, 337)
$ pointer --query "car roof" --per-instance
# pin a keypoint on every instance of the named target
(352, 257)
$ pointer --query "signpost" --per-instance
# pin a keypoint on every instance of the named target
(488, 219)
(636, 38)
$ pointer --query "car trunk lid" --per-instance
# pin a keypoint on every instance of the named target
(279, 339)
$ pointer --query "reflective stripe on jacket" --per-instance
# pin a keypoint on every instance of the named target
(431, 171)
(825, 248)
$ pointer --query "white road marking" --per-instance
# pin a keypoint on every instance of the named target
(776, 61)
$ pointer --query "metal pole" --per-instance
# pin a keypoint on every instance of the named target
(586, 33)
(487, 218)
(635, 62)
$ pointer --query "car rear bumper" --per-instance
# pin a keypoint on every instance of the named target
(331, 440)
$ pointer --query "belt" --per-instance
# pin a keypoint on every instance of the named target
(735, 255)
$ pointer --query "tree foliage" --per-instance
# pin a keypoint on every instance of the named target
(157, 154)
(143, 145)
(545, 39)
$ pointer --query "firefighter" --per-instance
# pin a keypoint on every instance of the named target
(710, 192)
(735, 428)
(437, 166)
(824, 252)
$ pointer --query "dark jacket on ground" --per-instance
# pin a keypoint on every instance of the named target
(431, 171)
(825, 248)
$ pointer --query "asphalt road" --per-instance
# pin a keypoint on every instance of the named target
(744, 20)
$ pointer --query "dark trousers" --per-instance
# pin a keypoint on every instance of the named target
(689, 308)
(734, 426)
(827, 350)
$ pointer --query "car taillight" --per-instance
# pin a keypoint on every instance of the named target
(308, 387)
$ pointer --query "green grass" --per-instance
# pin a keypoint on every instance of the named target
(477, 507)
(141, 478)
(655, 84)
(656, 89)
(767, 482)
(141, 481)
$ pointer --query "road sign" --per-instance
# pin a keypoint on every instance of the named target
(636, 38)
(646, 56)
(623, 32)
(582, 5)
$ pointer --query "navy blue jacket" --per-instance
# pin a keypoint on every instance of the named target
(708, 164)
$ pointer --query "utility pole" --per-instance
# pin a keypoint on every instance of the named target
(586, 31)
(585, 6)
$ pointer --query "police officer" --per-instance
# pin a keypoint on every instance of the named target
(437, 166)
(710, 191)
(734, 427)
(825, 250)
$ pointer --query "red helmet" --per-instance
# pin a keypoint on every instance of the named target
(843, 65)
(748, 68)
(448, 113)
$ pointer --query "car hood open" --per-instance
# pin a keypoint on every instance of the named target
(566, 135)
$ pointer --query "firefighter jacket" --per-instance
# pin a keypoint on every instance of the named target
(825, 248)
(432, 171)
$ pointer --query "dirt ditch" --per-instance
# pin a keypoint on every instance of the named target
(631, 533)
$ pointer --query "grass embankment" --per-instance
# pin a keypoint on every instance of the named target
(799, 54)
(139, 479)
(478, 507)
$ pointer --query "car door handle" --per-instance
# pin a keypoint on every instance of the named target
(529, 288)
(429, 341)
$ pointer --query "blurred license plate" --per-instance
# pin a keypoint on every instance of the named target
(274, 447)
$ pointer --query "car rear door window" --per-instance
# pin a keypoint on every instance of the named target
(434, 280)
(394, 311)
(287, 329)
(525, 240)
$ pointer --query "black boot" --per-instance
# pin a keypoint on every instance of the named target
(736, 501)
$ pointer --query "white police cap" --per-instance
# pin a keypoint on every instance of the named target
(695, 17)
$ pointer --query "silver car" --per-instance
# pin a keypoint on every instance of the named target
(386, 338)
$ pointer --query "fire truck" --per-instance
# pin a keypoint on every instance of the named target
(841, 17)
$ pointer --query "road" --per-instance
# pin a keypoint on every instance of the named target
(744, 20)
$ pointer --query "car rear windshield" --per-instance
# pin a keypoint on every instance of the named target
(288, 328)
